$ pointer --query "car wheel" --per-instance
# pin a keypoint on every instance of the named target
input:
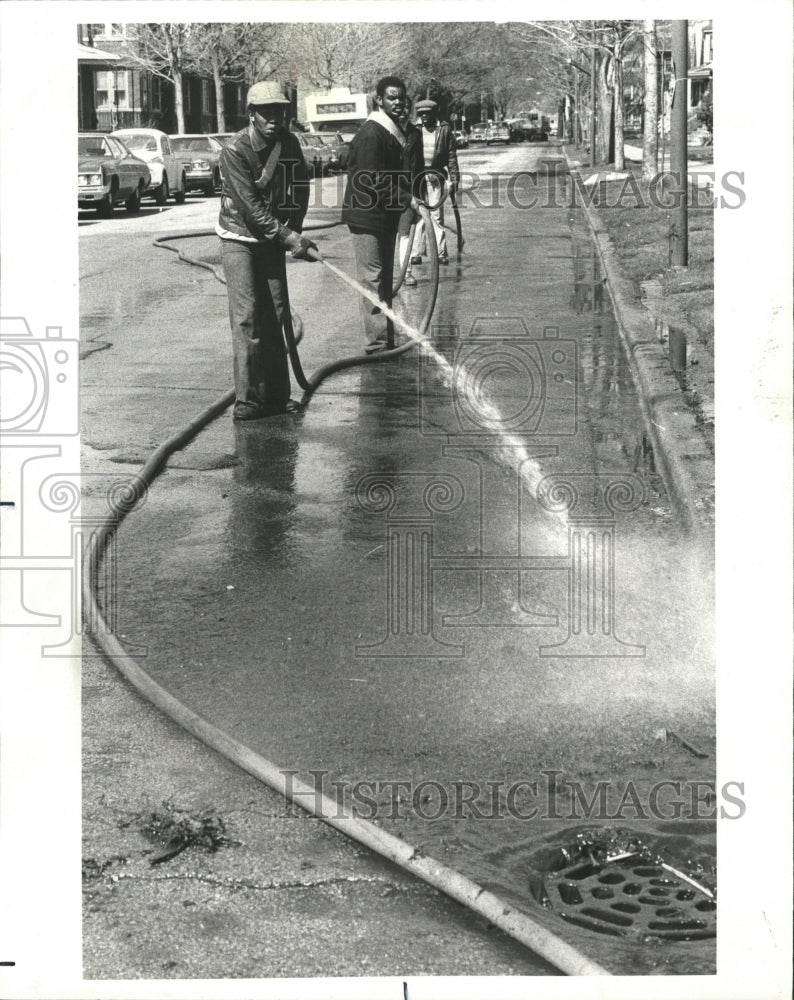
(161, 191)
(179, 196)
(105, 207)
(133, 203)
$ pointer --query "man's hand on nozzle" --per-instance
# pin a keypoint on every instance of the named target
(299, 246)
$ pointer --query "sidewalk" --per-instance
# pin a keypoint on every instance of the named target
(665, 314)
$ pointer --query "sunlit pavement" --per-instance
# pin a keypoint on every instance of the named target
(394, 586)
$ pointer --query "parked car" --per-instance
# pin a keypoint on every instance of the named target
(317, 155)
(107, 173)
(167, 173)
(478, 132)
(461, 140)
(200, 156)
(338, 149)
(497, 132)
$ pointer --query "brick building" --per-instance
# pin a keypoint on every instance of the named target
(113, 93)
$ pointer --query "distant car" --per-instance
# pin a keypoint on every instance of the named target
(497, 132)
(222, 137)
(167, 173)
(344, 129)
(107, 173)
(337, 147)
(317, 155)
(479, 132)
(518, 129)
(461, 140)
(200, 156)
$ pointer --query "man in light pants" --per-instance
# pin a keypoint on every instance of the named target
(441, 161)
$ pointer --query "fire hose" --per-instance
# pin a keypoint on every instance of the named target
(517, 924)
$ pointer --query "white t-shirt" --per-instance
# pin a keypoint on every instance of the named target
(428, 145)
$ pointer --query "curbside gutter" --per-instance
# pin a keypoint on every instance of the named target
(682, 455)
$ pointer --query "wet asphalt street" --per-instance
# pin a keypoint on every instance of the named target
(454, 585)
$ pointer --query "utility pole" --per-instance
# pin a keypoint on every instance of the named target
(593, 95)
(679, 232)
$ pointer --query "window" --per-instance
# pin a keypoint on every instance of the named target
(205, 97)
(116, 31)
(111, 89)
(706, 50)
(89, 145)
(157, 94)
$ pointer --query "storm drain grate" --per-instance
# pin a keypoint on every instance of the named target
(618, 886)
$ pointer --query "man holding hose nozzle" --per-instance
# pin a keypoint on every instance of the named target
(264, 199)
(378, 191)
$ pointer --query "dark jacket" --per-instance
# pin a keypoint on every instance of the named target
(267, 204)
(414, 154)
(445, 157)
(378, 181)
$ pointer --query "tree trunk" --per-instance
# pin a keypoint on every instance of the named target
(179, 103)
(650, 123)
(603, 108)
(220, 108)
(618, 104)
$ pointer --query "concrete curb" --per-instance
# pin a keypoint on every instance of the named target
(683, 458)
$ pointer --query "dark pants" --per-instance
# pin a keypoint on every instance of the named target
(375, 271)
(256, 283)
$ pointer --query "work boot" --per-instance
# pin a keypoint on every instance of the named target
(376, 347)
(256, 411)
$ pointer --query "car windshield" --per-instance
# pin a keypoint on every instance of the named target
(313, 140)
(137, 141)
(189, 144)
(93, 145)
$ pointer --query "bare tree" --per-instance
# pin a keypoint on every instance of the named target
(164, 50)
(597, 47)
(650, 123)
(343, 55)
(217, 50)
(239, 53)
